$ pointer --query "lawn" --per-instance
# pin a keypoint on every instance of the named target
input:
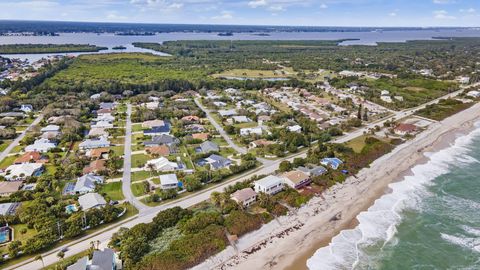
(139, 160)
(357, 144)
(138, 189)
(142, 175)
(5, 144)
(137, 127)
(7, 161)
(17, 149)
(113, 191)
(117, 150)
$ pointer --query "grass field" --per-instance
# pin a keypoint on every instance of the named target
(139, 160)
(5, 144)
(7, 161)
(113, 191)
(142, 175)
(138, 189)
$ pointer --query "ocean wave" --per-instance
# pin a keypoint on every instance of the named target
(377, 225)
(465, 242)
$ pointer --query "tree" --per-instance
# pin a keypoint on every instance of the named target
(14, 248)
(40, 258)
(365, 115)
(285, 166)
(359, 113)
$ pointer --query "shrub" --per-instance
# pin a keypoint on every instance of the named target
(240, 222)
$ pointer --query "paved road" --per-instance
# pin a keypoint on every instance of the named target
(148, 214)
(127, 165)
(16, 142)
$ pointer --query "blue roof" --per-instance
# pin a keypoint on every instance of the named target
(332, 162)
(160, 129)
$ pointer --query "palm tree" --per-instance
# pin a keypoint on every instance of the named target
(215, 198)
(40, 258)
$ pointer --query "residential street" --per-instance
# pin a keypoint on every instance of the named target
(127, 165)
(16, 142)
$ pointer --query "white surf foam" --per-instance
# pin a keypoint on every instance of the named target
(378, 224)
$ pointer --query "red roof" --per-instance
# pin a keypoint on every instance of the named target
(28, 157)
(406, 127)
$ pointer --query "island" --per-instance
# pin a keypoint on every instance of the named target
(48, 48)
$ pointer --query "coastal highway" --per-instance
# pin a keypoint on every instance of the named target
(148, 214)
(17, 140)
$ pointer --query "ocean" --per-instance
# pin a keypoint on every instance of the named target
(429, 220)
(111, 40)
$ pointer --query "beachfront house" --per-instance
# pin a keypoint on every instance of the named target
(101, 260)
(312, 171)
(333, 163)
(296, 179)
(405, 129)
(270, 185)
(244, 197)
(168, 181)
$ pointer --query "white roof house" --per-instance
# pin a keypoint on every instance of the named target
(161, 164)
(41, 145)
(226, 113)
(248, 131)
(20, 171)
(386, 99)
(91, 200)
(270, 185)
(107, 117)
(168, 181)
(241, 119)
(51, 128)
(102, 124)
(86, 183)
(295, 128)
(94, 143)
(474, 94)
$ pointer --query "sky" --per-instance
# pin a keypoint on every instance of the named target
(421, 13)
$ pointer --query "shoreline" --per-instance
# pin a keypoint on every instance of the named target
(289, 241)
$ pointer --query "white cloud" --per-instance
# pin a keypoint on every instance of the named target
(323, 6)
(443, 2)
(224, 15)
(469, 10)
(392, 14)
(443, 15)
(257, 3)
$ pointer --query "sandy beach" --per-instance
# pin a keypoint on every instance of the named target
(287, 242)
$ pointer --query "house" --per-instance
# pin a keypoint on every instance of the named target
(191, 118)
(263, 118)
(101, 142)
(194, 128)
(161, 164)
(313, 171)
(474, 94)
(231, 91)
(107, 105)
(80, 264)
(260, 143)
(216, 162)
(249, 131)
(95, 166)
(9, 187)
(13, 114)
(241, 119)
(386, 99)
(200, 136)
(244, 197)
(270, 185)
(463, 79)
(50, 135)
(207, 147)
(153, 123)
(385, 93)
(8, 209)
(168, 181)
(91, 200)
(219, 104)
(86, 183)
(104, 112)
(40, 145)
(28, 157)
(227, 113)
(151, 105)
(160, 150)
(162, 139)
(102, 124)
(156, 131)
(26, 108)
(104, 118)
(296, 179)
(103, 260)
(295, 128)
(50, 128)
(333, 163)
(95, 96)
(97, 132)
(98, 153)
(405, 129)
(21, 171)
